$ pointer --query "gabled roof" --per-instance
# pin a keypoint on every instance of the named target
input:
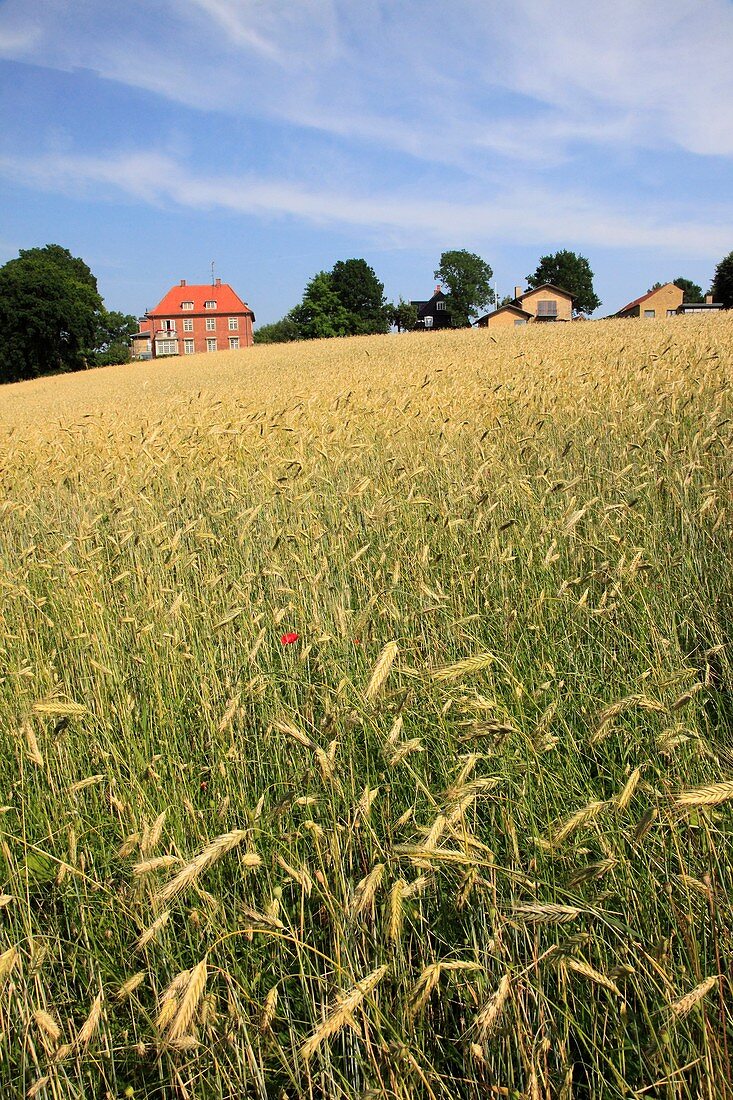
(638, 301)
(502, 309)
(227, 301)
(546, 286)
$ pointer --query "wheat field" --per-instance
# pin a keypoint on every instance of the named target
(366, 720)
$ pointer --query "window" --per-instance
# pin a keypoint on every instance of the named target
(428, 322)
(211, 324)
(233, 323)
(186, 305)
(188, 324)
(671, 312)
(188, 347)
(546, 308)
(166, 347)
(650, 314)
(169, 326)
(211, 344)
(440, 305)
(233, 342)
(209, 305)
(520, 321)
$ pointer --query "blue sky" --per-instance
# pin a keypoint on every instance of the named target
(277, 136)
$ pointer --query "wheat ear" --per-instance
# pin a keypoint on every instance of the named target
(707, 796)
(342, 1012)
(209, 855)
(681, 1007)
(381, 670)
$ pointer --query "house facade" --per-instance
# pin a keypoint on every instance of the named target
(193, 319)
(662, 302)
(543, 303)
(434, 313)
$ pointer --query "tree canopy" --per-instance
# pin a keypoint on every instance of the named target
(468, 280)
(722, 288)
(362, 296)
(50, 310)
(571, 272)
(403, 316)
(112, 338)
(321, 313)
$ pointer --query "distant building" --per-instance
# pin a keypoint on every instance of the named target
(708, 306)
(192, 319)
(435, 312)
(662, 302)
(543, 303)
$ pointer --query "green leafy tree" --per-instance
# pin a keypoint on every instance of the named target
(283, 331)
(722, 288)
(468, 280)
(571, 272)
(321, 312)
(49, 313)
(403, 315)
(112, 340)
(362, 296)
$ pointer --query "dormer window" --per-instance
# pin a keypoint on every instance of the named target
(186, 305)
(209, 305)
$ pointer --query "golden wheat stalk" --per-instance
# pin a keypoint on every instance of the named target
(188, 1002)
(575, 821)
(152, 835)
(684, 1005)
(91, 1023)
(366, 890)
(268, 1010)
(395, 911)
(606, 716)
(152, 930)
(128, 988)
(463, 668)
(547, 914)
(157, 863)
(430, 978)
(8, 959)
(585, 970)
(488, 1017)
(58, 708)
(208, 856)
(381, 671)
(33, 752)
(342, 1012)
(707, 796)
(82, 784)
(48, 1029)
(629, 790)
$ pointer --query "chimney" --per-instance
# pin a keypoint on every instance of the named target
(708, 299)
(183, 282)
(218, 282)
(437, 288)
(517, 292)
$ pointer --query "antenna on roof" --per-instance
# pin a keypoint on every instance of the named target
(212, 272)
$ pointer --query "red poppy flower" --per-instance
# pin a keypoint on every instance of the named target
(288, 639)
(357, 641)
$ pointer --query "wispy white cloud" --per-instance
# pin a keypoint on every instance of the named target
(430, 82)
(529, 214)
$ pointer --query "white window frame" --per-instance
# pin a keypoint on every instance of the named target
(233, 343)
(211, 304)
(188, 324)
(211, 324)
(428, 321)
(233, 324)
(189, 347)
(211, 340)
(440, 304)
(186, 305)
(166, 347)
(169, 325)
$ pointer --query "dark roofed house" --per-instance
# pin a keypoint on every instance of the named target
(435, 312)
(708, 306)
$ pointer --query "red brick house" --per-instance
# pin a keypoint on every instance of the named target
(191, 319)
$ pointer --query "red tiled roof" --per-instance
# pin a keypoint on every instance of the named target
(226, 301)
(638, 301)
